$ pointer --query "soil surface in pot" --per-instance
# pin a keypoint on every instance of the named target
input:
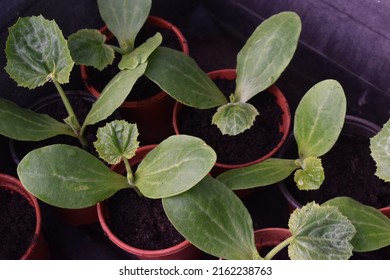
(248, 146)
(17, 225)
(141, 222)
(143, 88)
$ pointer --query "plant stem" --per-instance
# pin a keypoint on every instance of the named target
(130, 176)
(277, 248)
(118, 49)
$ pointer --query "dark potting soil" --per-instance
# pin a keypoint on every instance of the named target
(248, 146)
(17, 225)
(141, 222)
(143, 88)
(349, 171)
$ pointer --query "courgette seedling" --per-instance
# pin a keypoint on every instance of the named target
(69, 177)
(37, 53)
(265, 55)
(380, 152)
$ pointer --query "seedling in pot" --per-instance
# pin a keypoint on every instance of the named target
(260, 62)
(37, 53)
(69, 177)
(319, 119)
(380, 152)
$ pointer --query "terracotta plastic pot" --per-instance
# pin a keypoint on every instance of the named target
(152, 115)
(284, 126)
(270, 237)
(38, 248)
(183, 250)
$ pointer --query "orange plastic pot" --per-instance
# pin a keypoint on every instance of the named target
(38, 248)
(183, 250)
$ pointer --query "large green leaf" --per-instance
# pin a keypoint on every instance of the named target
(380, 152)
(320, 233)
(117, 140)
(311, 176)
(214, 219)
(372, 227)
(235, 118)
(26, 125)
(124, 19)
(113, 95)
(265, 173)
(319, 118)
(179, 75)
(87, 47)
(266, 54)
(68, 177)
(37, 52)
(174, 166)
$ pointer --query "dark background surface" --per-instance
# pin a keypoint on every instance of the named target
(343, 40)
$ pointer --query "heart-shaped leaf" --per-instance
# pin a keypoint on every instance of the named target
(380, 152)
(311, 176)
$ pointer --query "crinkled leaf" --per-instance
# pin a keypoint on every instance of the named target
(87, 47)
(179, 75)
(235, 118)
(124, 19)
(265, 173)
(320, 233)
(213, 219)
(174, 166)
(37, 52)
(26, 125)
(380, 152)
(117, 140)
(266, 54)
(372, 226)
(319, 118)
(311, 176)
(68, 177)
(141, 53)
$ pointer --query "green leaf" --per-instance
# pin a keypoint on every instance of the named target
(380, 152)
(319, 118)
(214, 219)
(235, 118)
(117, 140)
(320, 233)
(87, 47)
(311, 176)
(26, 125)
(266, 54)
(265, 173)
(372, 227)
(141, 53)
(124, 19)
(113, 95)
(174, 166)
(179, 75)
(37, 52)
(68, 177)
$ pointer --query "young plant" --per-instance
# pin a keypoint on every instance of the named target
(37, 53)
(318, 121)
(260, 62)
(380, 152)
(69, 177)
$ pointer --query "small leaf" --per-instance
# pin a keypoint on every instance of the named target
(117, 140)
(26, 125)
(37, 52)
(266, 54)
(124, 19)
(179, 76)
(320, 233)
(174, 166)
(87, 47)
(372, 226)
(235, 118)
(311, 176)
(380, 152)
(68, 177)
(265, 173)
(319, 118)
(214, 219)
(141, 53)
